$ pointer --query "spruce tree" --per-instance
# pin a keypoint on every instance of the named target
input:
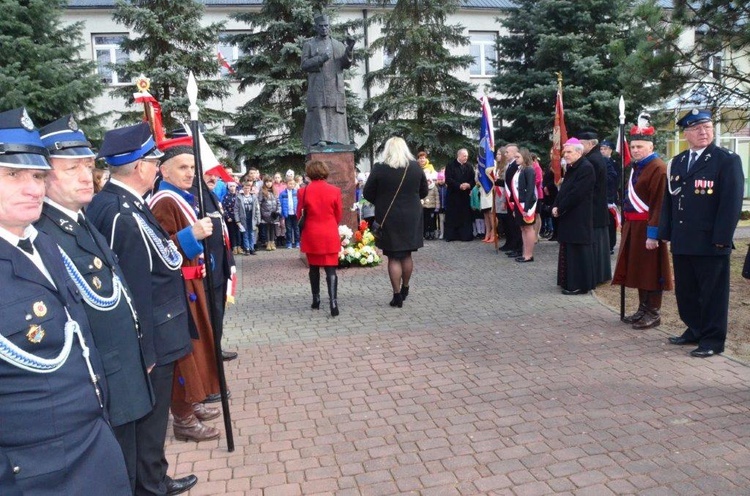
(717, 59)
(585, 40)
(422, 101)
(271, 58)
(170, 42)
(40, 66)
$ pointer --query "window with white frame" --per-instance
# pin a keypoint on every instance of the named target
(228, 52)
(107, 53)
(482, 48)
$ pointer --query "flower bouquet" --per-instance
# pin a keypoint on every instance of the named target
(358, 247)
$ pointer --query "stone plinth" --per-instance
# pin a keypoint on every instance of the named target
(341, 164)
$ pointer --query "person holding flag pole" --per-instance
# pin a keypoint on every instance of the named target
(485, 166)
(643, 262)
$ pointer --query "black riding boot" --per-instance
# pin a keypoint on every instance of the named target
(333, 281)
(315, 287)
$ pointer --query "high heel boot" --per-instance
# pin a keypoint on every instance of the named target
(333, 281)
(315, 288)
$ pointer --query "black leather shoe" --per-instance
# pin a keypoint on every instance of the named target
(702, 353)
(228, 356)
(570, 292)
(514, 254)
(179, 486)
(215, 398)
(524, 260)
(679, 340)
(504, 248)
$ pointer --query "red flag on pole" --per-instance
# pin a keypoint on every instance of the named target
(623, 149)
(559, 133)
(225, 63)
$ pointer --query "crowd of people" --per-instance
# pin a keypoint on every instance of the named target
(111, 324)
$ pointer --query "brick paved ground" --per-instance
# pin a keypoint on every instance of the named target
(488, 381)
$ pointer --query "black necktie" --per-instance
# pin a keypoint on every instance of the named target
(693, 158)
(25, 245)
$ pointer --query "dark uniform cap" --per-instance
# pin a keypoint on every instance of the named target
(63, 139)
(127, 144)
(587, 135)
(693, 118)
(20, 145)
(608, 144)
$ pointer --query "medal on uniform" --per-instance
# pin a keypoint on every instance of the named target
(710, 187)
(97, 262)
(96, 282)
(40, 309)
(35, 334)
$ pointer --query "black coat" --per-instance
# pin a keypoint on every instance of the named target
(158, 292)
(52, 428)
(574, 203)
(115, 331)
(600, 210)
(527, 187)
(695, 220)
(402, 229)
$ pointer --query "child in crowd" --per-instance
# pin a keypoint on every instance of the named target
(247, 215)
(476, 207)
(288, 200)
(270, 212)
(442, 189)
(430, 205)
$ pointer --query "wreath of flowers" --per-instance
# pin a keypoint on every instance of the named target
(358, 247)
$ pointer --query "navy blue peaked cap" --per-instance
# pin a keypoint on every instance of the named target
(20, 145)
(64, 139)
(694, 117)
(127, 144)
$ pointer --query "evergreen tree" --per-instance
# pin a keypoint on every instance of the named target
(40, 66)
(271, 58)
(587, 41)
(717, 59)
(422, 101)
(170, 42)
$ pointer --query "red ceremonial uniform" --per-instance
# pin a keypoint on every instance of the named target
(638, 267)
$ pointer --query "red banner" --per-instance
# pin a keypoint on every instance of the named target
(559, 134)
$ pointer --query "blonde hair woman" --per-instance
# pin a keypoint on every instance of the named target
(395, 186)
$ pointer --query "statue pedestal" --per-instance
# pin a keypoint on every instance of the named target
(341, 165)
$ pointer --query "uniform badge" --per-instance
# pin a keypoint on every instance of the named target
(26, 121)
(96, 282)
(40, 309)
(710, 185)
(72, 124)
(35, 334)
(97, 262)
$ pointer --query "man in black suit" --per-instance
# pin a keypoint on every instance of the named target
(699, 214)
(151, 265)
(54, 433)
(93, 266)
(600, 213)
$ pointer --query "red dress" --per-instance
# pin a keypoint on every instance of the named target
(320, 237)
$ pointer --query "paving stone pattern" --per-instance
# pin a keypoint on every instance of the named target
(486, 382)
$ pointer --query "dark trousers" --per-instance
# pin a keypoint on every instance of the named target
(292, 229)
(235, 237)
(151, 433)
(612, 232)
(220, 303)
(513, 234)
(126, 437)
(701, 286)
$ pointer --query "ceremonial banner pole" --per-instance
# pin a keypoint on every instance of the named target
(621, 145)
(192, 92)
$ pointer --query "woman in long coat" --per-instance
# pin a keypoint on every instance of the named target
(395, 186)
(320, 203)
